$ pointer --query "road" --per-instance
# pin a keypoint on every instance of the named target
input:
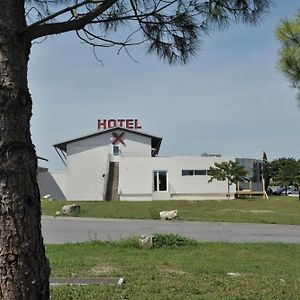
(67, 229)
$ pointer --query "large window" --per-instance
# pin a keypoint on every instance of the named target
(160, 181)
(194, 172)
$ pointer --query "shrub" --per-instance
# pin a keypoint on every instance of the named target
(171, 241)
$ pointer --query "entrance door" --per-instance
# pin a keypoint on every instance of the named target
(160, 181)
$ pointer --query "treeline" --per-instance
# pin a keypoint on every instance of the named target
(282, 171)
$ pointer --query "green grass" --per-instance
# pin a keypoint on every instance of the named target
(276, 210)
(193, 271)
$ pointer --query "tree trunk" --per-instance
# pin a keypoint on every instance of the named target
(228, 190)
(24, 272)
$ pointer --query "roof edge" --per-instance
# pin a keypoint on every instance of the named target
(157, 140)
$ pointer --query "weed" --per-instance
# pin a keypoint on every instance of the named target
(171, 241)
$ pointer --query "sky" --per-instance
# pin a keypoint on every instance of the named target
(230, 99)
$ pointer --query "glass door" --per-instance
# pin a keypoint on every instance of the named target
(160, 181)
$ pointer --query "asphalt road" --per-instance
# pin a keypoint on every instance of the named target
(67, 229)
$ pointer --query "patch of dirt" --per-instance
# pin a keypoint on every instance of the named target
(56, 281)
(104, 270)
(179, 272)
(254, 211)
(261, 211)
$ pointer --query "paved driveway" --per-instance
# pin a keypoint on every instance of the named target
(66, 229)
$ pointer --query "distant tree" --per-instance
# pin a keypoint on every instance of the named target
(276, 164)
(288, 33)
(230, 171)
(170, 29)
(285, 172)
(265, 170)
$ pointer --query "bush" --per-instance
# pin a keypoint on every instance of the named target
(171, 241)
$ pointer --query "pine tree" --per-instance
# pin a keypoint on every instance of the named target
(265, 170)
(288, 33)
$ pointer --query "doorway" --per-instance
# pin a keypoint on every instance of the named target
(160, 181)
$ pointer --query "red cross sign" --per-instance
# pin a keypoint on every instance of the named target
(118, 138)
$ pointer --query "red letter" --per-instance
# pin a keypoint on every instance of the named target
(136, 125)
(102, 124)
(112, 123)
(129, 123)
(121, 122)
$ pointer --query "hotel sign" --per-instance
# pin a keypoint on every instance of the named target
(126, 123)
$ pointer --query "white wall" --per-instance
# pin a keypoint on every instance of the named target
(136, 178)
(85, 171)
(136, 145)
(87, 161)
(53, 184)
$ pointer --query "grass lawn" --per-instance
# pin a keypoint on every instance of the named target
(195, 271)
(276, 210)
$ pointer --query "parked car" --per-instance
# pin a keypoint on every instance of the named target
(290, 191)
(285, 191)
(279, 190)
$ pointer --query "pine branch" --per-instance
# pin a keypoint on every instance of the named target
(37, 31)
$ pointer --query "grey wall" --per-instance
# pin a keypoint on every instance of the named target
(53, 184)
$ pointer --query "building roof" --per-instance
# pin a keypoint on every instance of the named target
(155, 141)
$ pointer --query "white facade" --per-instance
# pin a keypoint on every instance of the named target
(88, 162)
(142, 175)
(137, 178)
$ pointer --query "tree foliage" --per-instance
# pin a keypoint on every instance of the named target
(285, 171)
(230, 171)
(288, 33)
(172, 29)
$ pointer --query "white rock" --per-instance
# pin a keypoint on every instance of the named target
(146, 241)
(168, 215)
(234, 274)
(69, 209)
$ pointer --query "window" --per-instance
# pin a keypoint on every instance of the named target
(200, 172)
(116, 150)
(187, 172)
(194, 172)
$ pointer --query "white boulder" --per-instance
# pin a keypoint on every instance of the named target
(168, 215)
(146, 241)
(70, 209)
